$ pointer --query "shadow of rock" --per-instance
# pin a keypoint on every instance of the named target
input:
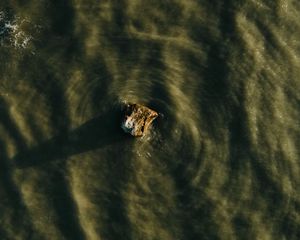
(101, 131)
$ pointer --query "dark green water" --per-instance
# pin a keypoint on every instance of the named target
(223, 162)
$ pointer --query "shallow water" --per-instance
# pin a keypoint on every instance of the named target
(222, 160)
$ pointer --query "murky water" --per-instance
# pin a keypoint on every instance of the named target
(222, 160)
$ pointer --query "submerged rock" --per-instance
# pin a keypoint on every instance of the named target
(137, 119)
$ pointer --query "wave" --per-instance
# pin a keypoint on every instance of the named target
(221, 160)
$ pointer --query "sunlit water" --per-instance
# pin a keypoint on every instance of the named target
(221, 161)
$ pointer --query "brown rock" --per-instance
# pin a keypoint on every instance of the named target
(137, 119)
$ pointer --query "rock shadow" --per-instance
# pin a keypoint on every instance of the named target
(98, 132)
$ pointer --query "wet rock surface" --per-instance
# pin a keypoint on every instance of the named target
(137, 119)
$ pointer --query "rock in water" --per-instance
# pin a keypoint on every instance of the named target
(137, 119)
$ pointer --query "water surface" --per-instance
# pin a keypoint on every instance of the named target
(222, 162)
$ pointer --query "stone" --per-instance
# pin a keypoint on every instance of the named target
(138, 119)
